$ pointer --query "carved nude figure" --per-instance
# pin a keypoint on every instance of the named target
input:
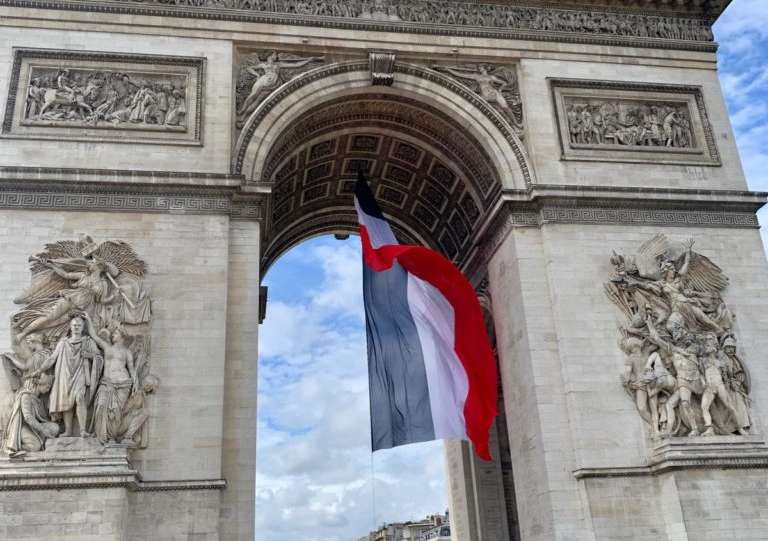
(689, 380)
(38, 355)
(117, 383)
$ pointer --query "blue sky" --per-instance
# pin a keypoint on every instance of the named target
(314, 480)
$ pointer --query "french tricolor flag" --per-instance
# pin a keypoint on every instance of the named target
(431, 368)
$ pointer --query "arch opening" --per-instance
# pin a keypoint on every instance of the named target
(437, 160)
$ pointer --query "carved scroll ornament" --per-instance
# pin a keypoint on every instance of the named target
(682, 367)
(80, 364)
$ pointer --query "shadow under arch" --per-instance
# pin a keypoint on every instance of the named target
(438, 153)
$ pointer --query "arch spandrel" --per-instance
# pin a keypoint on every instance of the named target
(307, 140)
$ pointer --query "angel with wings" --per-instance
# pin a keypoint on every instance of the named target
(103, 280)
(498, 86)
(678, 284)
(269, 75)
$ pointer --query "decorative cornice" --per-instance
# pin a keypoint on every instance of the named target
(598, 25)
(593, 205)
(721, 452)
(164, 486)
(186, 199)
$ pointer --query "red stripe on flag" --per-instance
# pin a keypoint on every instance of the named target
(471, 339)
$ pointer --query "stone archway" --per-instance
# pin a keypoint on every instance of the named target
(440, 158)
(441, 155)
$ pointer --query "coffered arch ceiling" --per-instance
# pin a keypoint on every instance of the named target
(437, 154)
(433, 181)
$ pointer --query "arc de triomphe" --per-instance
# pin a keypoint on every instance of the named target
(573, 157)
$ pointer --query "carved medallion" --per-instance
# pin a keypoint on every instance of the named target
(104, 97)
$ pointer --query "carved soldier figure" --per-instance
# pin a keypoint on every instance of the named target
(689, 380)
(715, 387)
(737, 380)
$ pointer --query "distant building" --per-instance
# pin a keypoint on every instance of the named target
(432, 528)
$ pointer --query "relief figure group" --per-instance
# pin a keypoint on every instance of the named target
(80, 349)
(682, 368)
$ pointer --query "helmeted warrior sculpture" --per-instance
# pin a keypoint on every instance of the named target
(679, 341)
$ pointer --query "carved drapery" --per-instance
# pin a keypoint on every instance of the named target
(81, 350)
(105, 97)
(682, 368)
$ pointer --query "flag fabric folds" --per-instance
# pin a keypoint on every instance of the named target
(431, 369)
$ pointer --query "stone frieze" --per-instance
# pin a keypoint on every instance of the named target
(104, 96)
(613, 121)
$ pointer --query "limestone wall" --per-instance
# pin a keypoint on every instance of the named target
(544, 140)
(210, 157)
(561, 369)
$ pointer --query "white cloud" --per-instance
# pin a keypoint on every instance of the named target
(314, 459)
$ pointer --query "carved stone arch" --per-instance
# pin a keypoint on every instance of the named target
(470, 154)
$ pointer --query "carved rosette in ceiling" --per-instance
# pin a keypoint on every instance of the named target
(433, 180)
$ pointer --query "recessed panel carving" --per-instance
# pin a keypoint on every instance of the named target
(608, 121)
(104, 97)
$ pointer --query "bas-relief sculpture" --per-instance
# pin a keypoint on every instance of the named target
(633, 122)
(104, 96)
(259, 76)
(81, 349)
(498, 85)
(83, 96)
(478, 15)
(682, 367)
(628, 123)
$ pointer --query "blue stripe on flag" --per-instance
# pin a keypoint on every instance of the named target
(400, 408)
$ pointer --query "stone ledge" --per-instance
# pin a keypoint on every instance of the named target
(74, 463)
(724, 452)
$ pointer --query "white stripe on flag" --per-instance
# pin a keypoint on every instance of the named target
(378, 230)
(446, 379)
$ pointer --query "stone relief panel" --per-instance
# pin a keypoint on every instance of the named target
(261, 73)
(498, 85)
(478, 15)
(607, 121)
(104, 97)
(682, 367)
(80, 365)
